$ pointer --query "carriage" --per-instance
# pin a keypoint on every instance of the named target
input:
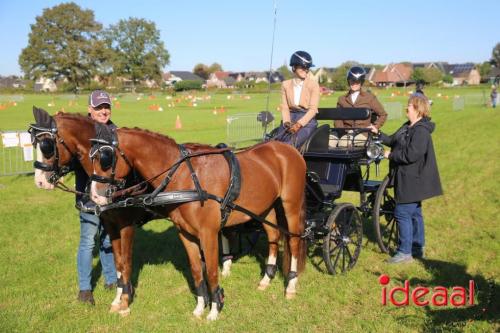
(334, 227)
(321, 172)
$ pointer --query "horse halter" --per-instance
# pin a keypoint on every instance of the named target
(48, 147)
(107, 160)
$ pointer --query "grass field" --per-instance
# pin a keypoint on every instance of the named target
(39, 235)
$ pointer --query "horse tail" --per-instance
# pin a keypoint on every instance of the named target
(302, 243)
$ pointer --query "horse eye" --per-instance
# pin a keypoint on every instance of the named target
(47, 147)
(106, 159)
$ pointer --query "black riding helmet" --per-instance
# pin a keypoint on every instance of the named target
(420, 85)
(356, 74)
(302, 59)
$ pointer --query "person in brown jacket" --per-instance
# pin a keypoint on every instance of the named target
(357, 98)
(299, 102)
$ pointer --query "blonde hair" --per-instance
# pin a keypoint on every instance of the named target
(421, 105)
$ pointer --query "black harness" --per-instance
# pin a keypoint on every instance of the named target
(160, 198)
(47, 138)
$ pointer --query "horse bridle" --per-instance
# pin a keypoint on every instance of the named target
(107, 159)
(48, 147)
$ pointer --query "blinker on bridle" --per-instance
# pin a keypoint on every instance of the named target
(48, 147)
(107, 160)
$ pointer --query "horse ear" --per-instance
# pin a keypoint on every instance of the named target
(42, 117)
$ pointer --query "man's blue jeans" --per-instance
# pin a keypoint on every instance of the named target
(411, 227)
(89, 227)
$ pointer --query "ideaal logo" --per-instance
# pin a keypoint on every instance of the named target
(422, 296)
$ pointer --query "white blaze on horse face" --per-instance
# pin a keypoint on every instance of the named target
(41, 177)
(96, 197)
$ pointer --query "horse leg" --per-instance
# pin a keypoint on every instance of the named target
(194, 255)
(227, 257)
(116, 244)
(273, 236)
(127, 238)
(295, 249)
(210, 247)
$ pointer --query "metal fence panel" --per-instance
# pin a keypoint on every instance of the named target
(16, 153)
(244, 127)
(394, 109)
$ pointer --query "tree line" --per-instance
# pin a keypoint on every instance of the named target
(67, 44)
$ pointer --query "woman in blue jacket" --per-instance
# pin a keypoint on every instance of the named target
(414, 174)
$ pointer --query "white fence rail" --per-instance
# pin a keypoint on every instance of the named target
(16, 153)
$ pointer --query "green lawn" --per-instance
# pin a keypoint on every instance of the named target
(39, 235)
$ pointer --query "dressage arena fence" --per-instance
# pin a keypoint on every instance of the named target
(245, 128)
(16, 153)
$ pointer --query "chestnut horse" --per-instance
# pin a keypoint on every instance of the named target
(61, 138)
(273, 181)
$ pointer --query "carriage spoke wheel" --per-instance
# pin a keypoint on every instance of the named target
(384, 223)
(342, 244)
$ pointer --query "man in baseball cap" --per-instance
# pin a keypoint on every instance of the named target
(100, 110)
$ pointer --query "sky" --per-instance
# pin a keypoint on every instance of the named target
(238, 34)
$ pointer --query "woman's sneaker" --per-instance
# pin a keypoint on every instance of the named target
(399, 258)
(85, 296)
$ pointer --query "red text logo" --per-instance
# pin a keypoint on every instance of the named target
(422, 296)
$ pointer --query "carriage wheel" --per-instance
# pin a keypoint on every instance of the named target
(384, 223)
(342, 244)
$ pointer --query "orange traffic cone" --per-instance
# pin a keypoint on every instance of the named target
(178, 124)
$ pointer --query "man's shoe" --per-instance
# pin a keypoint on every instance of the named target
(418, 253)
(110, 286)
(85, 296)
(400, 258)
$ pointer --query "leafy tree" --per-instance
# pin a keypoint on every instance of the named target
(418, 74)
(447, 78)
(138, 52)
(285, 71)
(429, 75)
(339, 81)
(484, 69)
(495, 55)
(187, 85)
(201, 70)
(215, 67)
(63, 45)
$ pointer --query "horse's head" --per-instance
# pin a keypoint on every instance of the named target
(54, 154)
(111, 166)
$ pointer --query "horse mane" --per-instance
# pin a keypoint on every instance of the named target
(166, 138)
(74, 116)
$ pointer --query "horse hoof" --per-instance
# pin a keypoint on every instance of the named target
(124, 313)
(290, 295)
(198, 313)
(212, 316)
(114, 308)
(262, 286)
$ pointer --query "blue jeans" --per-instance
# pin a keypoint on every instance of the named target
(301, 136)
(89, 228)
(411, 227)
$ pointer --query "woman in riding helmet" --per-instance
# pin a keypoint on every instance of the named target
(299, 102)
(357, 98)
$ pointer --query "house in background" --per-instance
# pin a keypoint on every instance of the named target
(464, 74)
(392, 75)
(216, 79)
(44, 84)
(12, 81)
(323, 75)
(171, 77)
